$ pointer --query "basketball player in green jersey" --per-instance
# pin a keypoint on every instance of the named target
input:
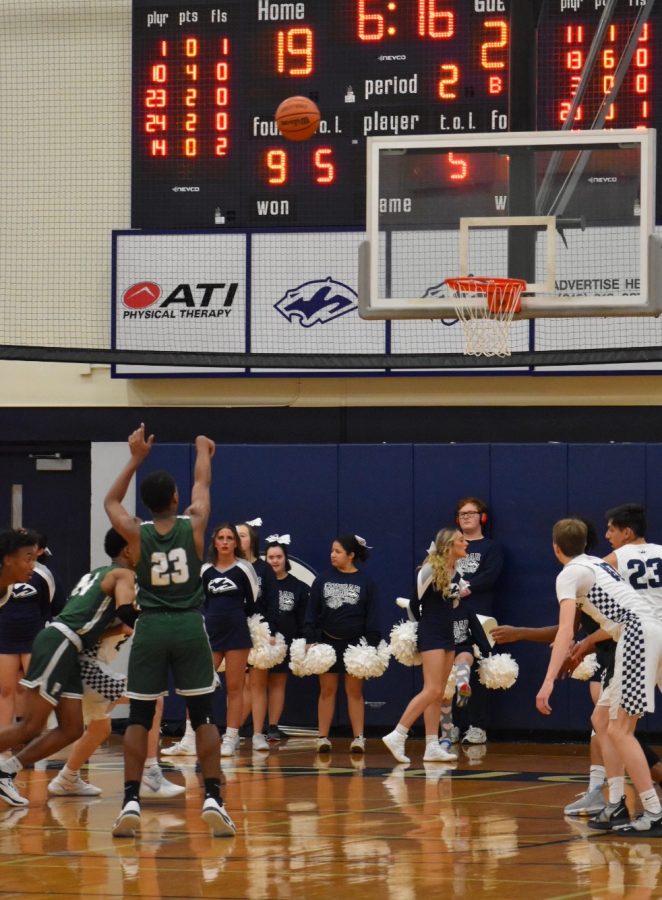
(53, 678)
(170, 634)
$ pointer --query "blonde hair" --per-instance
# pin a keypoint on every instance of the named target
(438, 560)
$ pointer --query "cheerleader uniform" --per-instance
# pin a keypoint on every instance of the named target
(434, 612)
(26, 610)
(267, 593)
(292, 601)
(230, 597)
(343, 607)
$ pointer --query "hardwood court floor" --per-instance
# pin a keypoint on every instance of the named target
(344, 828)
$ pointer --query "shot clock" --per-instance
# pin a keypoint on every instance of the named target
(208, 77)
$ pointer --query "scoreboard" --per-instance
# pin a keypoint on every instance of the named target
(208, 76)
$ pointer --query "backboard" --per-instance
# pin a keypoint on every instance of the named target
(570, 212)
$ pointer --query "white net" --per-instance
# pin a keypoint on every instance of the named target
(485, 308)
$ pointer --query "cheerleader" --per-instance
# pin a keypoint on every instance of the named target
(343, 608)
(231, 590)
(292, 601)
(267, 607)
(438, 585)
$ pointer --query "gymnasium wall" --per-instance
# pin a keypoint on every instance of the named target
(397, 496)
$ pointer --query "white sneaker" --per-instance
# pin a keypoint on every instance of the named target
(588, 804)
(229, 745)
(61, 786)
(357, 745)
(454, 736)
(216, 816)
(474, 735)
(185, 747)
(434, 752)
(128, 821)
(323, 745)
(396, 744)
(8, 792)
(154, 786)
(260, 742)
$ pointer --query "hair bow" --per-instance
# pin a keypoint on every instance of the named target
(254, 523)
(278, 539)
(432, 547)
(362, 542)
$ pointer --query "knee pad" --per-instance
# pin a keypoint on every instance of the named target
(141, 712)
(200, 710)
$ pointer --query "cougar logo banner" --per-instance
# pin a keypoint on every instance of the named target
(317, 302)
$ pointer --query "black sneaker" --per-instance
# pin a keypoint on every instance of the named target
(613, 815)
(275, 734)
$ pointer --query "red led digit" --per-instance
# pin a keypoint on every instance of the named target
(451, 74)
(158, 147)
(323, 161)
(191, 147)
(298, 43)
(191, 97)
(221, 71)
(191, 122)
(221, 148)
(370, 26)
(276, 161)
(487, 61)
(460, 168)
(435, 23)
(159, 73)
(191, 47)
(608, 59)
(192, 71)
(155, 122)
(155, 98)
(574, 59)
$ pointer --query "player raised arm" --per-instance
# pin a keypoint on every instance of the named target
(123, 521)
(200, 506)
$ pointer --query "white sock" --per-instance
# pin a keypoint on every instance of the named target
(189, 733)
(232, 733)
(400, 729)
(12, 765)
(650, 801)
(597, 775)
(69, 774)
(151, 761)
(431, 739)
(616, 788)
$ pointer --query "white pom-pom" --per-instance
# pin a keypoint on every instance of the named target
(587, 668)
(265, 653)
(363, 661)
(450, 684)
(315, 661)
(498, 671)
(404, 643)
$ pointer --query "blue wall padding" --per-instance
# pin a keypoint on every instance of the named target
(397, 496)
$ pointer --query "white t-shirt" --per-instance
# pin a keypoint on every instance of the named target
(601, 593)
(641, 566)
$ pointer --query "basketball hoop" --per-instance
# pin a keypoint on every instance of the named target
(485, 307)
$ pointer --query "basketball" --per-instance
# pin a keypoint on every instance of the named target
(297, 118)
